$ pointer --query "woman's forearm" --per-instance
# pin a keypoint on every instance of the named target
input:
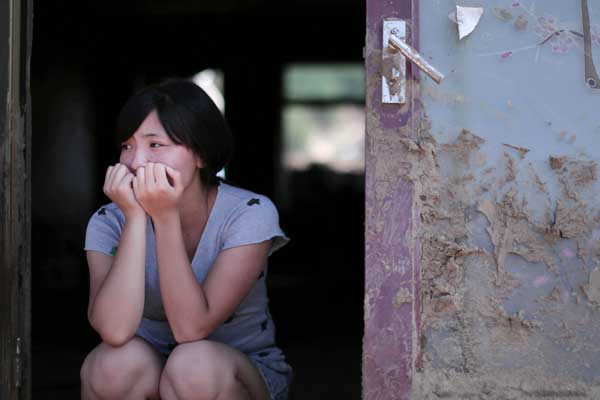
(185, 303)
(117, 309)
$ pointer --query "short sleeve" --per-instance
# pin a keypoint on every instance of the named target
(254, 221)
(104, 231)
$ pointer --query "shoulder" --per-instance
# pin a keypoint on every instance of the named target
(239, 200)
(104, 229)
(244, 209)
(110, 208)
(108, 214)
(251, 218)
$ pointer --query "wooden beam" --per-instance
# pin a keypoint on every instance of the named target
(15, 200)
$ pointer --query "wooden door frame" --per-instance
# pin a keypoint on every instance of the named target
(15, 199)
(391, 345)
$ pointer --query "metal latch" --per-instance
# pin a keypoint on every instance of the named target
(394, 55)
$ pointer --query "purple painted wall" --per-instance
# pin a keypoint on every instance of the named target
(391, 262)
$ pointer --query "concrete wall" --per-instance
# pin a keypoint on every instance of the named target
(494, 180)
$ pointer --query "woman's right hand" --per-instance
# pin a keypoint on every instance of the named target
(118, 188)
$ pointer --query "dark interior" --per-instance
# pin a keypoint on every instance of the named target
(87, 59)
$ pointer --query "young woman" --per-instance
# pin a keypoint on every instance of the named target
(178, 263)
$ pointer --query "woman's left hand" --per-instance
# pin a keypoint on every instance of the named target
(158, 189)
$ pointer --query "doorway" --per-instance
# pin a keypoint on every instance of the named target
(87, 59)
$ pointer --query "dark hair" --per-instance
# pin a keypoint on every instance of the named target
(189, 117)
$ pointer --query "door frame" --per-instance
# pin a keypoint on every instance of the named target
(15, 199)
(391, 345)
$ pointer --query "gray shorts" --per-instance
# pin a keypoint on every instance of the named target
(277, 375)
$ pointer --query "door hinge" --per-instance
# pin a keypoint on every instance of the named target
(18, 363)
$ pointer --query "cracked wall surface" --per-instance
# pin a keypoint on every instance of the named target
(509, 214)
(487, 186)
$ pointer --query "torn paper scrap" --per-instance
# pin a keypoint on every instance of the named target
(467, 19)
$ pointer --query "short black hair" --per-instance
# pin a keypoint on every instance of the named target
(189, 117)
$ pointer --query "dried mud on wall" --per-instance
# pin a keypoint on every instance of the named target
(510, 278)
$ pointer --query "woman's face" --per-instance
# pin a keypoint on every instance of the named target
(150, 143)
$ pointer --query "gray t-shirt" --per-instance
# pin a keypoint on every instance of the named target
(238, 217)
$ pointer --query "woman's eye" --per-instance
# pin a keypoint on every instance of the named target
(155, 145)
(125, 146)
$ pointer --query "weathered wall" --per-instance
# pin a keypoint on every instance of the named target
(500, 171)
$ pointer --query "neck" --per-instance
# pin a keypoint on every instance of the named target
(195, 205)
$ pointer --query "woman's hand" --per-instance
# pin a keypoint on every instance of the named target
(158, 189)
(118, 188)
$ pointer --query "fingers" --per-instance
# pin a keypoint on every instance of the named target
(107, 179)
(119, 173)
(154, 191)
(166, 176)
(174, 175)
(118, 185)
(126, 182)
(109, 172)
(145, 178)
(113, 177)
(135, 186)
(139, 183)
(150, 176)
(160, 175)
(157, 175)
(141, 175)
(149, 180)
(156, 178)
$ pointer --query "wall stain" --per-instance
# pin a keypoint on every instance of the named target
(473, 220)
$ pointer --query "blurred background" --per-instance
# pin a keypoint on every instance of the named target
(289, 77)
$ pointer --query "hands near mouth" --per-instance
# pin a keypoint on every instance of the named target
(155, 189)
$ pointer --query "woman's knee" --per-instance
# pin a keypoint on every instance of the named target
(201, 370)
(112, 371)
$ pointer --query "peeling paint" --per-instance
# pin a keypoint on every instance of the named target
(503, 13)
(593, 290)
(521, 22)
(483, 257)
(522, 150)
(575, 174)
(403, 296)
(454, 240)
(556, 162)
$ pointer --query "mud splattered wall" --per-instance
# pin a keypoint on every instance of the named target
(487, 188)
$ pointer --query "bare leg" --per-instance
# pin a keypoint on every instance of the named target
(167, 391)
(206, 370)
(131, 371)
